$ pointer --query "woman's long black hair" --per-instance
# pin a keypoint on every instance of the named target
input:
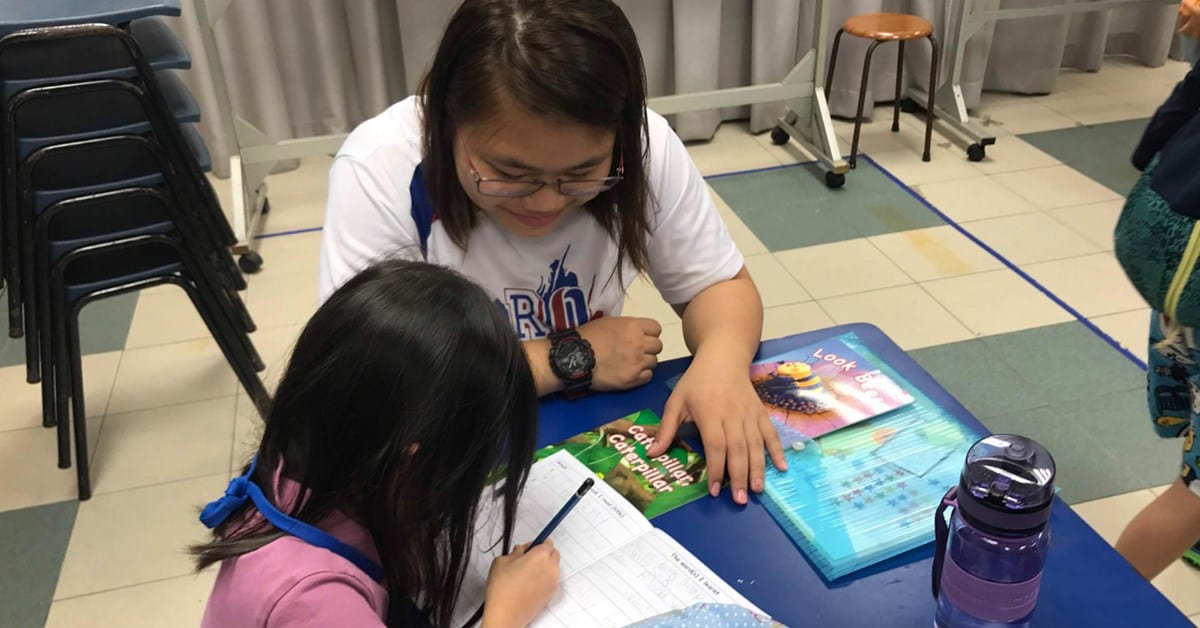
(574, 61)
(405, 392)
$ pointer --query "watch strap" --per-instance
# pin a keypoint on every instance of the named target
(572, 389)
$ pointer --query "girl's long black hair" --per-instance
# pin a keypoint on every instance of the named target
(405, 392)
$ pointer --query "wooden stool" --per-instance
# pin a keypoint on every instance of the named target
(882, 27)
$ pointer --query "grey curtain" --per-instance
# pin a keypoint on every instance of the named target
(303, 67)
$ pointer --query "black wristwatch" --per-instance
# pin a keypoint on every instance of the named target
(572, 361)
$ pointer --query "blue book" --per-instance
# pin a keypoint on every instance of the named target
(868, 492)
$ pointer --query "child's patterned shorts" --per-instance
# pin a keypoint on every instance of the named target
(1173, 388)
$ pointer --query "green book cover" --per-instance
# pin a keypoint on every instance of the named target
(616, 453)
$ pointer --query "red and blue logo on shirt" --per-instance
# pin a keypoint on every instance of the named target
(558, 303)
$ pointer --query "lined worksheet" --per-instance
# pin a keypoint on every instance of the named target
(601, 522)
(649, 576)
(615, 567)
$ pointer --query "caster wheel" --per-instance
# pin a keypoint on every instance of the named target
(908, 105)
(779, 137)
(834, 180)
(266, 206)
(250, 263)
(976, 152)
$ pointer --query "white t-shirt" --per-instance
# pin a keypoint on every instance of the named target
(557, 281)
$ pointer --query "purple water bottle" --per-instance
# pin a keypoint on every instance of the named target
(989, 559)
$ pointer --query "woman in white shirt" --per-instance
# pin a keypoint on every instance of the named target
(529, 162)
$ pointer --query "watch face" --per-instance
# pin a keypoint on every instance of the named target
(574, 359)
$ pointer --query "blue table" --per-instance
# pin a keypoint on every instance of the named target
(1086, 583)
(18, 14)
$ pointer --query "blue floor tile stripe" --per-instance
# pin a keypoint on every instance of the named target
(1011, 266)
(280, 234)
(722, 175)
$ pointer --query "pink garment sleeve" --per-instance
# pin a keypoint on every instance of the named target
(325, 599)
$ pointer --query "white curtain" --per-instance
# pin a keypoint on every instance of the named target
(303, 67)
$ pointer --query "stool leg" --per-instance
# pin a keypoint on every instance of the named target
(862, 100)
(899, 87)
(837, 41)
(933, 78)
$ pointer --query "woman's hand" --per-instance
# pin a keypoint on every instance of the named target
(519, 585)
(733, 424)
(626, 350)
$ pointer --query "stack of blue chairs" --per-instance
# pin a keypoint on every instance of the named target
(104, 191)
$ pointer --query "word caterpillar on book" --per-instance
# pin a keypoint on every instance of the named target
(678, 474)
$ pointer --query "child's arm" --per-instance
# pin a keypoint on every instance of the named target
(1179, 108)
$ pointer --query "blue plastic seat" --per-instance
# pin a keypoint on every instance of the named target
(98, 114)
(39, 63)
(111, 176)
(16, 15)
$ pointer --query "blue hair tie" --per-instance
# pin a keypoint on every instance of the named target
(236, 495)
(242, 489)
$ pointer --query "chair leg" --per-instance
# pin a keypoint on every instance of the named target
(899, 88)
(12, 253)
(45, 325)
(931, 94)
(78, 408)
(837, 42)
(60, 363)
(249, 380)
(227, 306)
(16, 323)
(862, 100)
(33, 370)
(50, 380)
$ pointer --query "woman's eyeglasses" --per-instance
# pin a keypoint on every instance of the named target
(517, 188)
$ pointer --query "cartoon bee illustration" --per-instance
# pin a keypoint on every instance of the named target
(794, 387)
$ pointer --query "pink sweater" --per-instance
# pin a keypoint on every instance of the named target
(289, 582)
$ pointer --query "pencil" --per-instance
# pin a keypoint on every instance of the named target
(562, 512)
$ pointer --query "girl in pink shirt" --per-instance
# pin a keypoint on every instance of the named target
(405, 393)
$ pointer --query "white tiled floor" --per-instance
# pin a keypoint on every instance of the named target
(860, 268)
(935, 253)
(176, 423)
(1031, 238)
(1094, 221)
(974, 198)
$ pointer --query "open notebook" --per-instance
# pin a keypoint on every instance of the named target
(617, 569)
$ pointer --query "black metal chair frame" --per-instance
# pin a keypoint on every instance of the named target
(37, 254)
(68, 360)
(169, 134)
(228, 306)
(20, 215)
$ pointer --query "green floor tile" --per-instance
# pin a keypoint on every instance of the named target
(1102, 446)
(1100, 151)
(1064, 387)
(33, 542)
(1065, 362)
(977, 377)
(789, 208)
(103, 327)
